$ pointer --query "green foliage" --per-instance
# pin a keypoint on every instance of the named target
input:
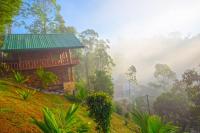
(8, 9)
(45, 17)
(80, 94)
(83, 128)
(192, 80)
(25, 94)
(156, 125)
(152, 124)
(118, 108)
(102, 82)
(49, 124)
(177, 107)
(100, 108)
(64, 123)
(82, 91)
(95, 56)
(163, 71)
(141, 119)
(72, 98)
(19, 78)
(46, 77)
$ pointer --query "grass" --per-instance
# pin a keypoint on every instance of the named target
(15, 114)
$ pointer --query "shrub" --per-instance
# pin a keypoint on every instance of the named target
(100, 108)
(46, 77)
(25, 94)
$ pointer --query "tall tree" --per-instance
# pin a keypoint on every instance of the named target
(165, 77)
(102, 82)
(59, 23)
(94, 58)
(192, 80)
(131, 74)
(163, 73)
(41, 16)
(174, 106)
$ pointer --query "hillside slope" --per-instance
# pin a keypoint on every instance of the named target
(15, 113)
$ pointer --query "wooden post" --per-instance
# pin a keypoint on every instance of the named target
(71, 72)
(69, 68)
(148, 104)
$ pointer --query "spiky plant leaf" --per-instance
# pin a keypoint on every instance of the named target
(49, 124)
(69, 118)
(141, 119)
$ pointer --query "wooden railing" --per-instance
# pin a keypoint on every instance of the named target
(44, 63)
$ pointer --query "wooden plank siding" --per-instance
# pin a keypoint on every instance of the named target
(35, 60)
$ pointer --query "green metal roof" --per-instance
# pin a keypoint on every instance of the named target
(14, 42)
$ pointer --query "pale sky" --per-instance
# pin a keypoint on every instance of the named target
(142, 32)
(133, 18)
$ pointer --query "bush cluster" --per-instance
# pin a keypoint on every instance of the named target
(100, 108)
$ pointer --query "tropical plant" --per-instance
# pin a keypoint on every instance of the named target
(49, 123)
(100, 108)
(152, 123)
(25, 94)
(70, 115)
(19, 78)
(156, 125)
(64, 123)
(46, 77)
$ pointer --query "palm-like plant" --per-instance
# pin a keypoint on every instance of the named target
(141, 119)
(152, 124)
(63, 124)
(66, 120)
(156, 125)
(49, 125)
(19, 78)
(46, 77)
(25, 94)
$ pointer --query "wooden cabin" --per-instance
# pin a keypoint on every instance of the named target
(28, 52)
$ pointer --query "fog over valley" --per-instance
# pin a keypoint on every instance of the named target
(179, 52)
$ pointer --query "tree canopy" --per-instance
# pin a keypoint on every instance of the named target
(8, 9)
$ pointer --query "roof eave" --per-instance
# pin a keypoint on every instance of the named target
(38, 49)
